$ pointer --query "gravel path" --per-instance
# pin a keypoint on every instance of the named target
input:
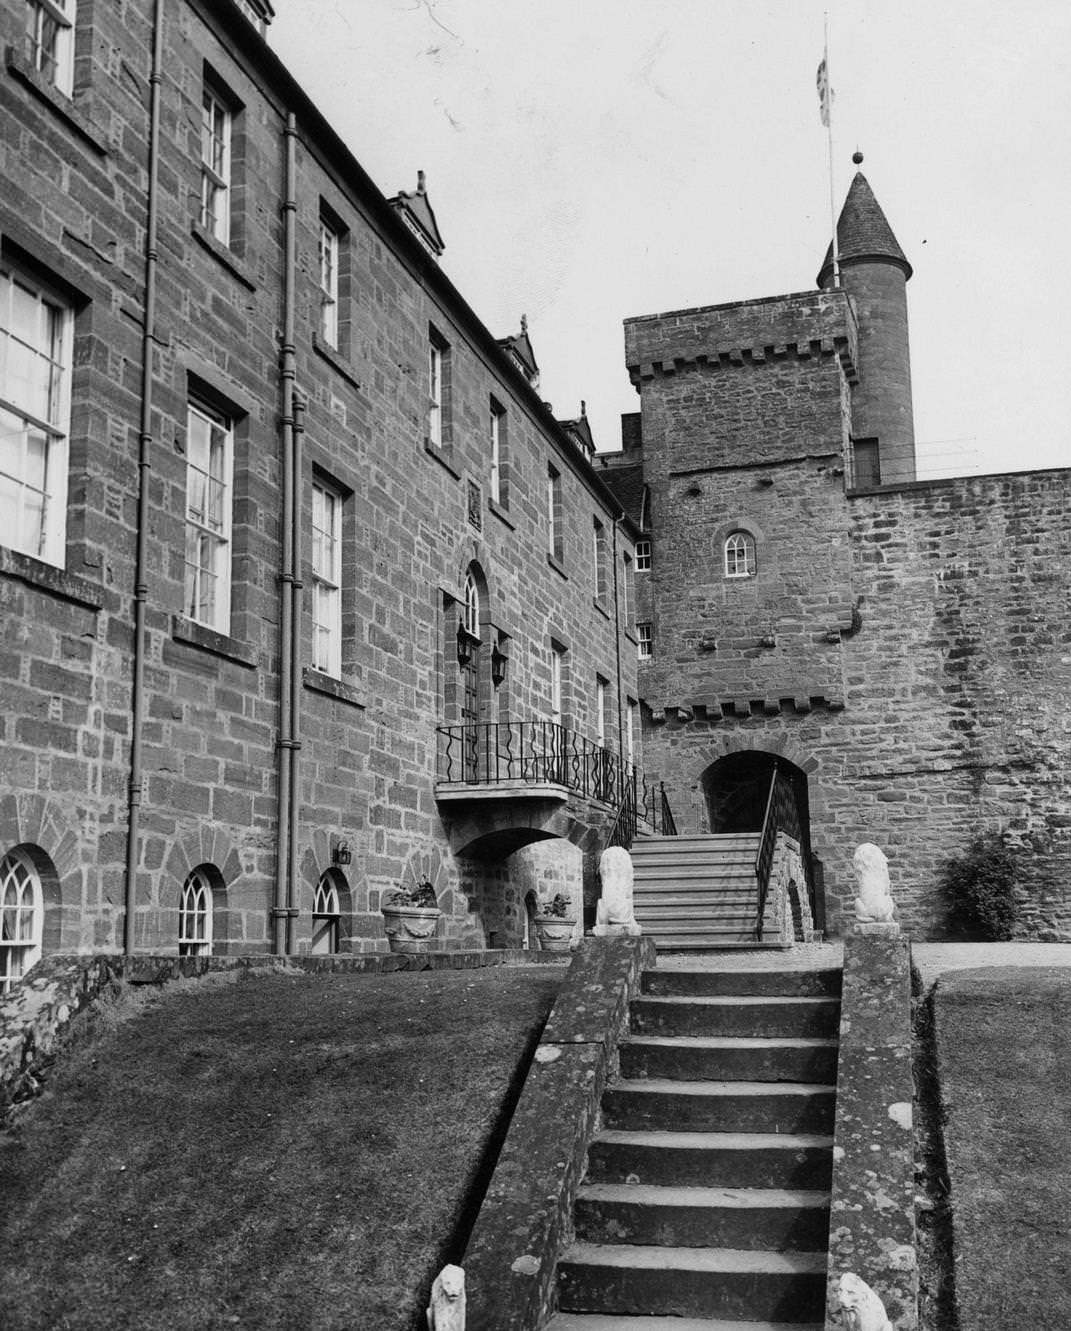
(932, 960)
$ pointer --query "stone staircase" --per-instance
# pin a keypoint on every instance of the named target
(696, 892)
(705, 1206)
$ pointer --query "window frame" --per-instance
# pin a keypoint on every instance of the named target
(326, 895)
(627, 589)
(61, 14)
(438, 437)
(47, 541)
(602, 695)
(555, 514)
(739, 542)
(192, 602)
(20, 948)
(498, 488)
(326, 577)
(196, 904)
(643, 555)
(600, 554)
(644, 640)
(329, 255)
(217, 174)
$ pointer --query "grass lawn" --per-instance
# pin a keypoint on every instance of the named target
(278, 1150)
(1004, 1058)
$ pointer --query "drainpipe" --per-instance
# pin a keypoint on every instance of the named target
(284, 745)
(617, 645)
(295, 674)
(141, 588)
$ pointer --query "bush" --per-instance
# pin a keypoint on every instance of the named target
(979, 890)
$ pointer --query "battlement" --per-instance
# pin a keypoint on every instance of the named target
(801, 325)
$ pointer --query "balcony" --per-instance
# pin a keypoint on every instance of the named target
(526, 759)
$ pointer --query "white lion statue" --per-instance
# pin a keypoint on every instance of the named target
(614, 913)
(447, 1309)
(863, 1310)
(874, 903)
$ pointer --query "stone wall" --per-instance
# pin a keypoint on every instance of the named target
(414, 517)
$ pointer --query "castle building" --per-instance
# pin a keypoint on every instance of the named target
(899, 649)
(307, 596)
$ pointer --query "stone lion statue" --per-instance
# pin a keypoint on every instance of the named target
(614, 913)
(863, 1310)
(447, 1309)
(873, 902)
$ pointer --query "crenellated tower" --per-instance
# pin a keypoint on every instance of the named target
(874, 273)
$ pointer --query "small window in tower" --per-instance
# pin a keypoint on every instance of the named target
(866, 463)
(740, 555)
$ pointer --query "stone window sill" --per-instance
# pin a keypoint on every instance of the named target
(600, 605)
(336, 360)
(223, 255)
(502, 514)
(318, 682)
(208, 640)
(47, 578)
(59, 102)
(557, 565)
(441, 457)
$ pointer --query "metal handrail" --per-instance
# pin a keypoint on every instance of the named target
(782, 815)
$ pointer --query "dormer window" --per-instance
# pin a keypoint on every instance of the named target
(258, 12)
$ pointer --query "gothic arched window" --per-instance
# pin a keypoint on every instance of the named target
(739, 555)
(195, 915)
(21, 917)
(326, 916)
(471, 613)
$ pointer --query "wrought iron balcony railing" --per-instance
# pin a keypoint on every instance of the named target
(533, 753)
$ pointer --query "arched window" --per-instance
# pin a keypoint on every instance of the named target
(472, 605)
(740, 555)
(195, 915)
(21, 918)
(326, 917)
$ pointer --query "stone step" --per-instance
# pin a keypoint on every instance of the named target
(700, 865)
(684, 1282)
(774, 1219)
(718, 1106)
(669, 845)
(735, 1014)
(596, 1322)
(711, 1159)
(731, 1058)
(700, 947)
(785, 982)
(697, 905)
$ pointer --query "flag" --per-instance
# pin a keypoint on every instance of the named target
(825, 92)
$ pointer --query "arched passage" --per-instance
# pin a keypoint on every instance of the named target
(736, 789)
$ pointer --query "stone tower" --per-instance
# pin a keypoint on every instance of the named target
(874, 272)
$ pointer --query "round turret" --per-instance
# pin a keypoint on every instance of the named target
(874, 272)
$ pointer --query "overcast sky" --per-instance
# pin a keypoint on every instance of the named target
(589, 160)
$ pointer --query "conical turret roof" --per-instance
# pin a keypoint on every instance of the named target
(863, 232)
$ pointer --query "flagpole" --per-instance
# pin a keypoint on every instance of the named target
(829, 140)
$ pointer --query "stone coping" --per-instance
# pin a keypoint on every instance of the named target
(872, 1208)
(932, 960)
(511, 1259)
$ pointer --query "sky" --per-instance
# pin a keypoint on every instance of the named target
(593, 160)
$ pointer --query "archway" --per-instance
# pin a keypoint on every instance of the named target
(736, 789)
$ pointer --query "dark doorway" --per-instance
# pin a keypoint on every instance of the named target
(737, 787)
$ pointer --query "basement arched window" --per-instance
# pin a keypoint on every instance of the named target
(21, 917)
(740, 555)
(195, 915)
(326, 916)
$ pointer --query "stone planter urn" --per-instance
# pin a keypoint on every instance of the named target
(554, 924)
(411, 919)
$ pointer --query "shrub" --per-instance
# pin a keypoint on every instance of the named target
(979, 890)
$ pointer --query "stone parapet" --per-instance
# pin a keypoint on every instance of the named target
(799, 325)
(510, 1261)
(872, 1211)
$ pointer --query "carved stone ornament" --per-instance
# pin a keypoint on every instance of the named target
(614, 913)
(873, 902)
(863, 1310)
(446, 1312)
